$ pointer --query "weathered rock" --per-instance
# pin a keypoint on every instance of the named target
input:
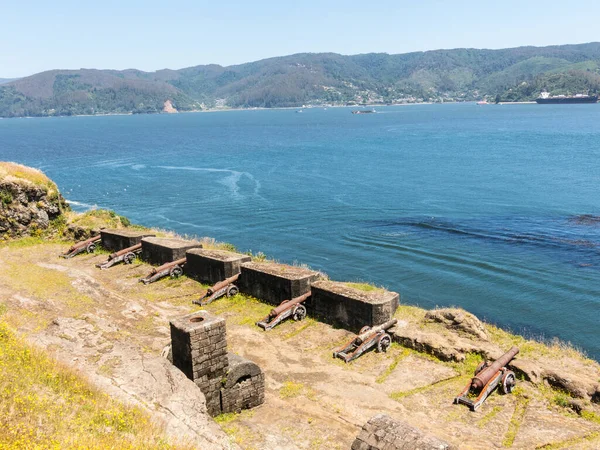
(447, 347)
(384, 433)
(460, 320)
(25, 207)
(575, 384)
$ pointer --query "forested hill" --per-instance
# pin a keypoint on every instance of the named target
(321, 78)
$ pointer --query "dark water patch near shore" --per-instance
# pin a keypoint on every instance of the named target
(553, 236)
(585, 219)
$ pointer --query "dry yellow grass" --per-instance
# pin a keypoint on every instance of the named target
(45, 405)
(10, 171)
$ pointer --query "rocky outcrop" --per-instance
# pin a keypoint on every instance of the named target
(457, 319)
(384, 433)
(26, 207)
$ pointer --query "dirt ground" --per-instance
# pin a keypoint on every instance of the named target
(312, 400)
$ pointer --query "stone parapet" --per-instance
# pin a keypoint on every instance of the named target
(274, 283)
(212, 266)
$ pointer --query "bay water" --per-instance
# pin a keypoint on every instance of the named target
(491, 208)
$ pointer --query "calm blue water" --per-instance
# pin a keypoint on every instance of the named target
(447, 204)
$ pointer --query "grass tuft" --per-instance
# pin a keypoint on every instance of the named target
(365, 287)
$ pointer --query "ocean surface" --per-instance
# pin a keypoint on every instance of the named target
(475, 206)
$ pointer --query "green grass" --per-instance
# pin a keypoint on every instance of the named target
(365, 287)
(569, 443)
(489, 416)
(517, 418)
(99, 218)
(398, 395)
(45, 405)
(240, 309)
(30, 241)
(386, 373)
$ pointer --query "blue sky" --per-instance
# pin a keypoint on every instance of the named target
(39, 35)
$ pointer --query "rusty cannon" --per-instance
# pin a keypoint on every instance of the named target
(225, 287)
(288, 308)
(367, 338)
(487, 378)
(172, 269)
(89, 245)
(127, 255)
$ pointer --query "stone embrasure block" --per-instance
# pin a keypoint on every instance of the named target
(212, 266)
(114, 240)
(199, 350)
(159, 251)
(384, 433)
(274, 283)
(244, 387)
(341, 304)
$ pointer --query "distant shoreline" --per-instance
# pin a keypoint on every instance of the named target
(262, 108)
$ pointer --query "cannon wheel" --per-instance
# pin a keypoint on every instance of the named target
(383, 343)
(128, 258)
(176, 272)
(508, 382)
(482, 365)
(364, 329)
(91, 247)
(299, 313)
(232, 290)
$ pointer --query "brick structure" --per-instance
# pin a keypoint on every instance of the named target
(341, 304)
(245, 385)
(199, 350)
(229, 382)
(159, 251)
(274, 283)
(384, 433)
(114, 240)
(212, 266)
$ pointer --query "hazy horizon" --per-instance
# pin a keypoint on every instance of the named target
(2, 77)
(38, 36)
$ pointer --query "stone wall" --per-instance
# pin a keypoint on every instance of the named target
(384, 433)
(212, 266)
(244, 387)
(229, 382)
(114, 240)
(159, 251)
(341, 304)
(199, 350)
(274, 283)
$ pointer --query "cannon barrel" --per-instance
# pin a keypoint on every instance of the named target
(85, 243)
(288, 304)
(168, 266)
(222, 284)
(383, 327)
(125, 251)
(483, 377)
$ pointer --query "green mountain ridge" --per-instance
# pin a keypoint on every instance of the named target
(312, 78)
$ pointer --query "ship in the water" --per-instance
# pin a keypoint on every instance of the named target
(364, 111)
(545, 98)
